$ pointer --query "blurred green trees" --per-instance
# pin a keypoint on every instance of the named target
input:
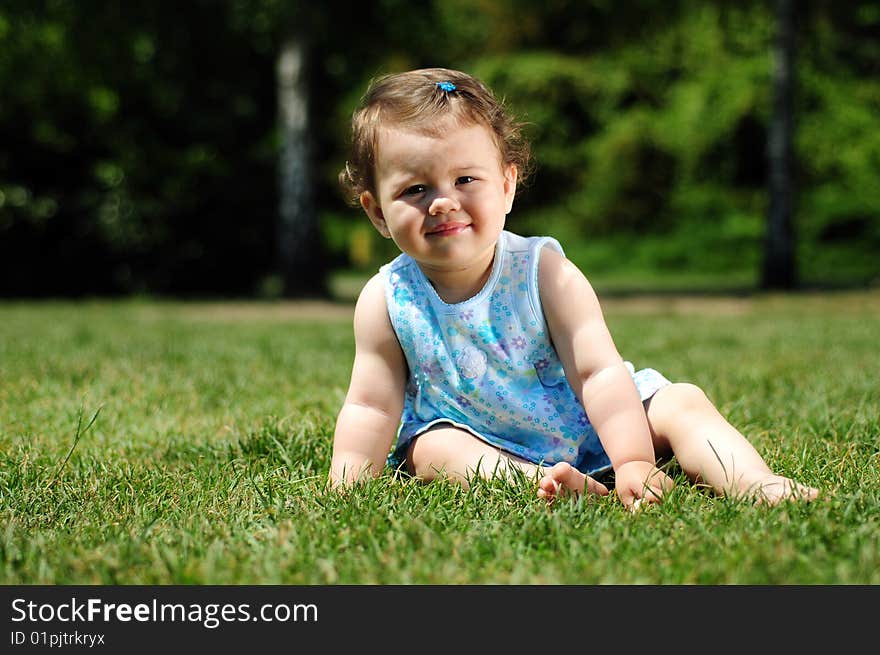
(139, 142)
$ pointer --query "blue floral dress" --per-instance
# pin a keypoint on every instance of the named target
(486, 365)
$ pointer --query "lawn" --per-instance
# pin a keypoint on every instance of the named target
(147, 442)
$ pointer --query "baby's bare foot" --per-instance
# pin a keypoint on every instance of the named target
(772, 489)
(563, 478)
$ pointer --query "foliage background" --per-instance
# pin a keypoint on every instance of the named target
(139, 141)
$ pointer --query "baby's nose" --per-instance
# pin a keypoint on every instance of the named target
(443, 204)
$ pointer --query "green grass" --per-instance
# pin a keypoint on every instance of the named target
(158, 443)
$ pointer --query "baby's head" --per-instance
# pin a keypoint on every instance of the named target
(425, 101)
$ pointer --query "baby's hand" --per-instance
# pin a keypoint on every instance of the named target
(639, 483)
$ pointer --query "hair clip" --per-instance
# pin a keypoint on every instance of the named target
(446, 86)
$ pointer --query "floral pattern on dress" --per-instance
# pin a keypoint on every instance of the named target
(487, 364)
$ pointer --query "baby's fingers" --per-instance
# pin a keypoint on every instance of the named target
(644, 502)
(653, 493)
(632, 499)
(657, 485)
(647, 495)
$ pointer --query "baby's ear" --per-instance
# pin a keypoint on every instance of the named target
(374, 212)
(510, 175)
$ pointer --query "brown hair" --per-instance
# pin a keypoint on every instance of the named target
(421, 100)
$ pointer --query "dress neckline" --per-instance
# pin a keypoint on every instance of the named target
(479, 296)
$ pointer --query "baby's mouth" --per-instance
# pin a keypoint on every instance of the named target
(448, 229)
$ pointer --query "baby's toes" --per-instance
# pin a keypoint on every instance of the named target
(548, 488)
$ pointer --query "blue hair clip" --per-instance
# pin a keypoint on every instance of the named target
(446, 86)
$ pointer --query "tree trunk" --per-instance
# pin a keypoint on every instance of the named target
(779, 270)
(300, 263)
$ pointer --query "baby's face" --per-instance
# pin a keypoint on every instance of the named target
(442, 199)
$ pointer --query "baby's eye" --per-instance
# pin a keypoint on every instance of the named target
(464, 179)
(414, 190)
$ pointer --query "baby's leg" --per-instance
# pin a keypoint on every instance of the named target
(709, 449)
(446, 451)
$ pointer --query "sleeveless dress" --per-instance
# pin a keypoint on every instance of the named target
(486, 365)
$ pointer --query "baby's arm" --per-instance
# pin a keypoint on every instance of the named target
(369, 418)
(599, 377)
